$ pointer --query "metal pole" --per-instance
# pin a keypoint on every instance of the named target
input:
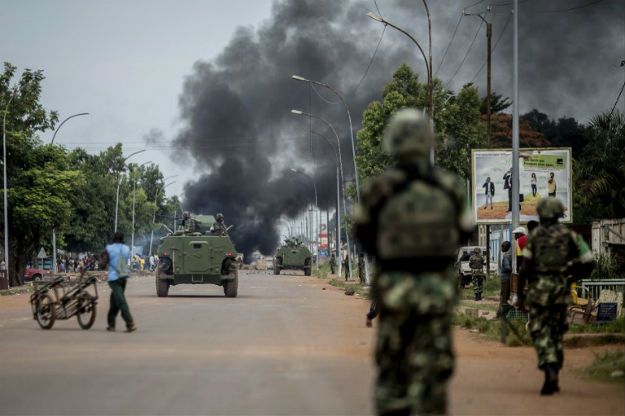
(6, 203)
(515, 131)
(54, 265)
(489, 36)
(119, 181)
(132, 239)
(338, 222)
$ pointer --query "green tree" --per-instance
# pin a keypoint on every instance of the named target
(456, 121)
(599, 173)
(39, 176)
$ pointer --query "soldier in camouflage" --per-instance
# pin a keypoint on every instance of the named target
(219, 227)
(412, 219)
(476, 263)
(554, 258)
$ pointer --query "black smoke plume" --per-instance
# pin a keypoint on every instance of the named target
(243, 140)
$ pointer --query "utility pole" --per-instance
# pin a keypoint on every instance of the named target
(515, 131)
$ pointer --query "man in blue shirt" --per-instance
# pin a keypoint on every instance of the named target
(116, 257)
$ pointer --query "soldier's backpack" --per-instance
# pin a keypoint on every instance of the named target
(552, 248)
(418, 220)
(476, 262)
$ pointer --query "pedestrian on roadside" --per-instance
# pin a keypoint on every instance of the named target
(411, 220)
(476, 263)
(346, 266)
(151, 262)
(333, 264)
(505, 273)
(554, 258)
(361, 268)
(115, 257)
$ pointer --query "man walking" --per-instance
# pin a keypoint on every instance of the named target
(333, 264)
(412, 219)
(116, 258)
(346, 266)
(553, 259)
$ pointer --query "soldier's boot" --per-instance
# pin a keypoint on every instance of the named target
(551, 380)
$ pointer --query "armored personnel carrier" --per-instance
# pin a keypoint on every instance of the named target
(293, 255)
(195, 254)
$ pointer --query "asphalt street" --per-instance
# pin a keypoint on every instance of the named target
(284, 346)
(288, 345)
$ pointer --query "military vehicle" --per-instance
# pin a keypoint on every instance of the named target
(194, 255)
(292, 255)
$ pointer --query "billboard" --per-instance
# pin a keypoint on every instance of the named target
(542, 173)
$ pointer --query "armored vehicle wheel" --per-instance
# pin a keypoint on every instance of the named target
(46, 313)
(307, 272)
(86, 311)
(162, 286)
(231, 286)
(307, 267)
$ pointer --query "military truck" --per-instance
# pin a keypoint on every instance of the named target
(292, 255)
(194, 255)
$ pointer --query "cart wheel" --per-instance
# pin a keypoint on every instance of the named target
(86, 312)
(46, 311)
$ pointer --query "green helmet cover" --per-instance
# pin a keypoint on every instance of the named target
(408, 134)
(550, 208)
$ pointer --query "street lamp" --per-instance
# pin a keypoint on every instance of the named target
(428, 62)
(353, 142)
(338, 198)
(156, 206)
(134, 191)
(54, 228)
(6, 203)
(338, 147)
(119, 181)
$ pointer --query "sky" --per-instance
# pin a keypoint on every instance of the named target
(124, 62)
(205, 85)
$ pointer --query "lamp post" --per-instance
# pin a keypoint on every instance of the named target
(54, 228)
(338, 147)
(6, 203)
(353, 141)
(428, 62)
(156, 207)
(338, 198)
(515, 130)
(119, 181)
(134, 191)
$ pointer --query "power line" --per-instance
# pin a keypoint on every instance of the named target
(505, 26)
(440, 64)
(465, 55)
(320, 96)
(370, 61)
(617, 98)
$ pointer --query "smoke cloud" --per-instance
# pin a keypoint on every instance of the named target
(243, 141)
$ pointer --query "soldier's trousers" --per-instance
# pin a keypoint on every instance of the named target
(548, 326)
(478, 283)
(414, 346)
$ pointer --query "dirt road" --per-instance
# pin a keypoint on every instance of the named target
(285, 346)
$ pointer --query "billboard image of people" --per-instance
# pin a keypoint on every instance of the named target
(542, 173)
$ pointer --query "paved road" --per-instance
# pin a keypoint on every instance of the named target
(285, 346)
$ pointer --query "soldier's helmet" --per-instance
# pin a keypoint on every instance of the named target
(219, 217)
(186, 214)
(477, 250)
(408, 134)
(550, 208)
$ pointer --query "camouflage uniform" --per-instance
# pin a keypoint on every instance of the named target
(332, 264)
(553, 258)
(219, 227)
(411, 220)
(476, 262)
